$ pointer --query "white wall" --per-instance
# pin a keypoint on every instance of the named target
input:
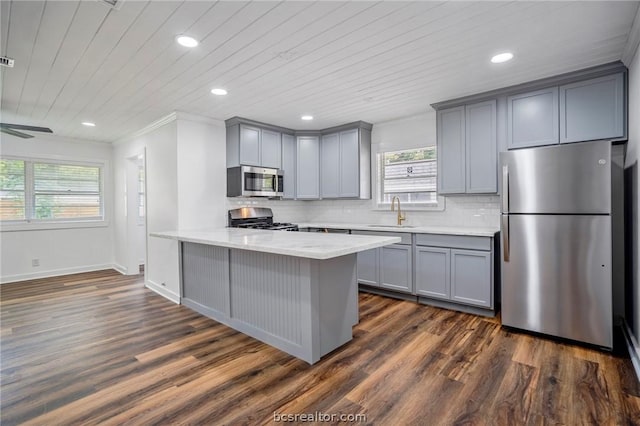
(60, 251)
(631, 164)
(411, 132)
(202, 176)
(162, 200)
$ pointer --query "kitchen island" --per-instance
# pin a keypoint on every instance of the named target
(295, 291)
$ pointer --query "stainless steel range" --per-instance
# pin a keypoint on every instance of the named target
(257, 218)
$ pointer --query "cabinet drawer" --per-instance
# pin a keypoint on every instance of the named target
(454, 241)
(405, 237)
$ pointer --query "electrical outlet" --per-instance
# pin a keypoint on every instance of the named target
(35, 262)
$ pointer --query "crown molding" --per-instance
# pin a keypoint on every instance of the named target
(633, 41)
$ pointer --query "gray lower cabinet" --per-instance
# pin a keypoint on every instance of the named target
(395, 268)
(532, 118)
(593, 109)
(308, 167)
(471, 277)
(289, 166)
(432, 272)
(368, 267)
(467, 149)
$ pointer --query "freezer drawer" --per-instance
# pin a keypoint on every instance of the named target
(556, 276)
(564, 179)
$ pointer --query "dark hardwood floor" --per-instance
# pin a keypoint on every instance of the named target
(100, 348)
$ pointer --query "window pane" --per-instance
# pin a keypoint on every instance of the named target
(12, 205)
(66, 178)
(411, 175)
(67, 206)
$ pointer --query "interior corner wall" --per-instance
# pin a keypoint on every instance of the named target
(59, 251)
(633, 192)
(201, 174)
(161, 269)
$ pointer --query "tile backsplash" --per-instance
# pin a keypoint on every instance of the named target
(460, 211)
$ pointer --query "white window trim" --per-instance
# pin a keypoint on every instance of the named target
(45, 224)
(376, 160)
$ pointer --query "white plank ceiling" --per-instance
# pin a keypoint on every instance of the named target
(339, 61)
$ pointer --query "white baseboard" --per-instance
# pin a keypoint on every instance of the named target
(56, 273)
(120, 268)
(632, 347)
(163, 291)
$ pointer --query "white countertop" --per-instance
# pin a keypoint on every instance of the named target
(448, 230)
(300, 244)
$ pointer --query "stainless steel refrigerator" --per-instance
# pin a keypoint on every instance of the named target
(557, 240)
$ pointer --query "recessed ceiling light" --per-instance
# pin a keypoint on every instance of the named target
(307, 117)
(88, 124)
(187, 41)
(502, 57)
(219, 92)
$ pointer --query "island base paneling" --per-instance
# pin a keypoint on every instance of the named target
(304, 307)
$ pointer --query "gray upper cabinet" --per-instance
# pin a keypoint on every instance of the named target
(270, 149)
(345, 164)
(251, 145)
(432, 272)
(467, 149)
(532, 118)
(481, 147)
(289, 166)
(451, 150)
(330, 166)
(593, 109)
(471, 277)
(308, 167)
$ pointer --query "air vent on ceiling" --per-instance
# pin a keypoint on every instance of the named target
(114, 4)
(6, 62)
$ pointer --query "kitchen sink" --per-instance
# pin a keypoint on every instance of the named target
(391, 226)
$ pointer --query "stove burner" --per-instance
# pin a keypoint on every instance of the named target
(257, 218)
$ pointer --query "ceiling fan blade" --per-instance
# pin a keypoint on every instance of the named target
(15, 133)
(23, 127)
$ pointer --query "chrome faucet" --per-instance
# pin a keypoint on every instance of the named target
(400, 215)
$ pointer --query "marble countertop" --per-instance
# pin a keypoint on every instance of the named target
(448, 230)
(300, 244)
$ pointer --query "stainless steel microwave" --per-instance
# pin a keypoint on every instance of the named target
(249, 181)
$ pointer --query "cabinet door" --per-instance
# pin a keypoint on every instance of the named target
(271, 149)
(330, 166)
(249, 146)
(532, 118)
(368, 267)
(349, 164)
(592, 109)
(471, 277)
(308, 167)
(481, 148)
(289, 166)
(432, 272)
(395, 268)
(451, 151)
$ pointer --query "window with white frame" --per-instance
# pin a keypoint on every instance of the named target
(44, 191)
(410, 175)
(141, 195)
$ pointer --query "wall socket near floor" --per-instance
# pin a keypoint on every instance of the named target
(35, 262)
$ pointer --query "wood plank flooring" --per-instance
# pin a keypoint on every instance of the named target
(100, 348)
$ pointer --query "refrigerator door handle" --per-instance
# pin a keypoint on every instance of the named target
(505, 188)
(505, 237)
